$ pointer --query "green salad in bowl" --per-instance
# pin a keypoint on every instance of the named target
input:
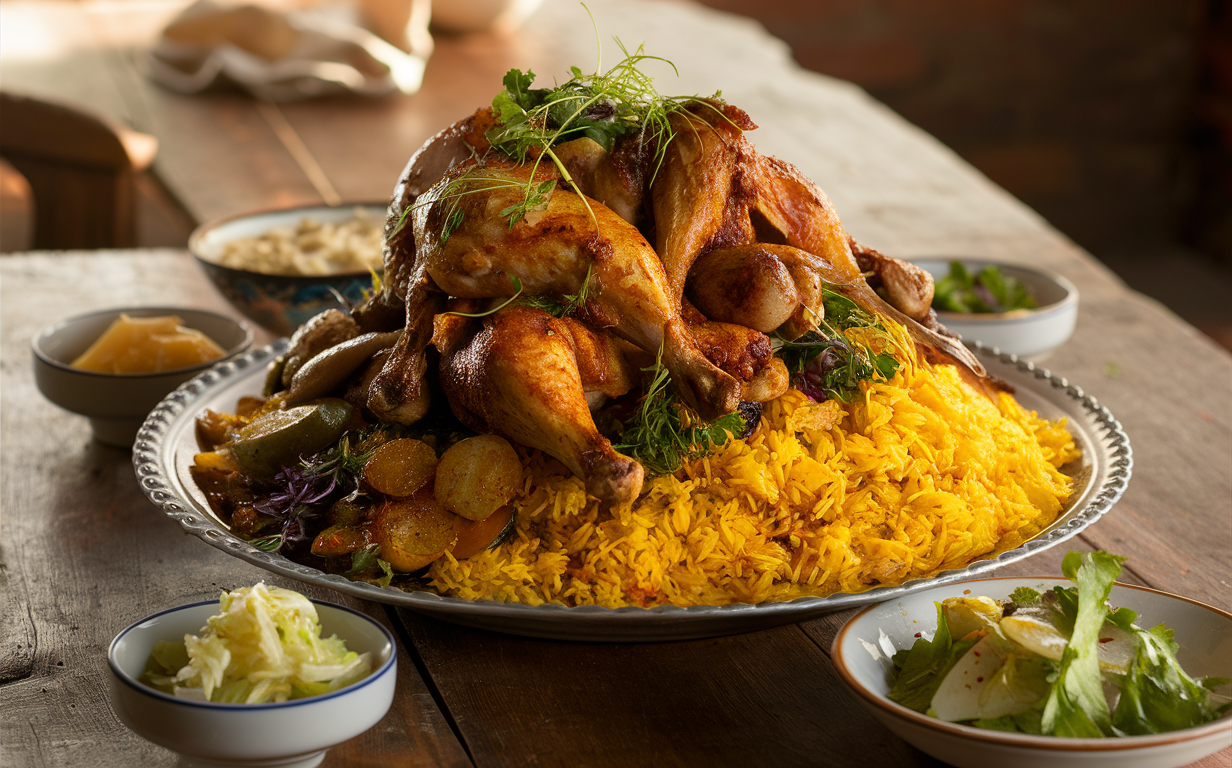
(1059, 662)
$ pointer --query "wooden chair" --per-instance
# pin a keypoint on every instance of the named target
(81, 169)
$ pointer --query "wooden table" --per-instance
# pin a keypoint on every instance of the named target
(84, 553)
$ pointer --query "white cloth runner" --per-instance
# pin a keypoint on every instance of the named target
(279, 57)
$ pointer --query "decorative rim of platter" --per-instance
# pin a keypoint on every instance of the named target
(162, 474)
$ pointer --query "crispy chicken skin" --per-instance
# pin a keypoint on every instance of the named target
(743, 246)
(552, 251)
(520, 373)
(907, 287)
(746, 285)
(699, 196)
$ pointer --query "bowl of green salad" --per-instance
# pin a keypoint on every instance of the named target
(1067, 672)
(1024, 311)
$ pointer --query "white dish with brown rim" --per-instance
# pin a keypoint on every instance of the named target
(863, 647)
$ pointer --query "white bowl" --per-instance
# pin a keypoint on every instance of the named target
(862, 650)
(1024, 332)
(292, 733)
(117, 403)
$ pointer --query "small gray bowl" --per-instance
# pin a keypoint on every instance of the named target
(117, 404)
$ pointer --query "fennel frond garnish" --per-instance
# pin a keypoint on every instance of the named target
(664, 433)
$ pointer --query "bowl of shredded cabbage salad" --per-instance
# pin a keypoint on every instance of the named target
(1079, 671)
(262, 676)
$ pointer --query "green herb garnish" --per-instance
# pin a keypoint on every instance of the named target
(826, 363)
(572, 301)
(602, 107)
(987, 291)
(517, 285)
(365, 563)
(657, 436)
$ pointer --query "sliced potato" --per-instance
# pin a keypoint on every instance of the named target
(474, 536)
(413, 532)
(478, 476)
(400, 467)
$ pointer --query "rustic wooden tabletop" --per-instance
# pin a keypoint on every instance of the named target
(83, 552)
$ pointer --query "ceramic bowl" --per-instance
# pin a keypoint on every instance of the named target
(1024, 332)
(292, 733)
(862, 650)
(279, 303)
(117, 404)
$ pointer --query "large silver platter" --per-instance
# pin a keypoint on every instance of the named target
(167, 442)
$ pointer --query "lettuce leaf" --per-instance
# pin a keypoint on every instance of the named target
(924, 666)
(1076, 705)
(1156, 694)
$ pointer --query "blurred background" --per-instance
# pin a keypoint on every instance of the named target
(1111, 118)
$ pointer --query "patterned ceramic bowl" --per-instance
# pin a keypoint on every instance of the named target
(293, 733)
(281, 302)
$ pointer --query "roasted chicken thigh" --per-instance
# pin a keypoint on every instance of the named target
(478, 243)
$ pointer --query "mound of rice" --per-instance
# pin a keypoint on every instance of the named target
(921, 475)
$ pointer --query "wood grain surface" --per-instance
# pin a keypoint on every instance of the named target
(84, 553)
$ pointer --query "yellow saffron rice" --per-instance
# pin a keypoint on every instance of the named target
(921, 475)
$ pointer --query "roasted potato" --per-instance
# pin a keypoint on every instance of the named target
(478, 476)
(415, 531)
(400, 467)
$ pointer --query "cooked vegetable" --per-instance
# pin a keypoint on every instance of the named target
(478, 475)
(413, 532)
(264, 644)
(1057, 664)
(987, 291)
(279, 438)
(474, 536)
(340, 540)
(400, 467)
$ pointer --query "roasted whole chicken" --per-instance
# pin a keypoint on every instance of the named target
(529, 286)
